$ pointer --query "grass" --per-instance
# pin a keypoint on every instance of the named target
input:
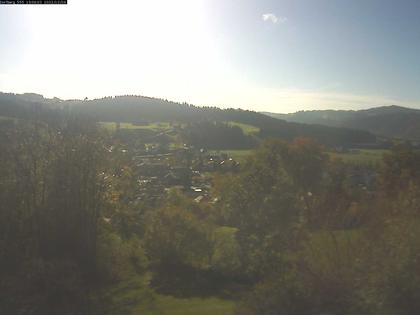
(135, 297)
(157, 126)
(247, 129)
(168, 305)
(361, 157)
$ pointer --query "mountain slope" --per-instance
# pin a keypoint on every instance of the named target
(145, 109)
(389, 121)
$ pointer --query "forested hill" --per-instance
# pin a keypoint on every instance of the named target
(137, 109)
(389, 121)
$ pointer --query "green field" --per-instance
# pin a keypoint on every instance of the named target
(157, 304)
(361, 157)
(167, 305)
(135, 297)
(157, 126)
(247, 129)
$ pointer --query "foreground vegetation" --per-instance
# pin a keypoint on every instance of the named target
(291, 231)
(134, 297)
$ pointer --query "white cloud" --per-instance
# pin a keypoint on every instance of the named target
(271, 17)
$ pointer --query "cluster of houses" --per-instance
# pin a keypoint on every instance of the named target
(185, 169)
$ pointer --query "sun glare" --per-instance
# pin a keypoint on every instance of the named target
(133, 47)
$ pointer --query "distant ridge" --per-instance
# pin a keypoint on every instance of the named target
(132, 108)
(389, 121)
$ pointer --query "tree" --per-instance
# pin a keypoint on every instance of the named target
(52, 236)
(268, 200)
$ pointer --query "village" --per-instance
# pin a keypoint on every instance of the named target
(159, 169)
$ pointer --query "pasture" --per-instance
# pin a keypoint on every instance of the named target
(360, 156)
(156, 126)
(247, 129)
(135, 297)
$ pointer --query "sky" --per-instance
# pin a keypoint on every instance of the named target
(264, 55)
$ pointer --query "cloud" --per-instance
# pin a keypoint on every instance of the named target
(271, 17)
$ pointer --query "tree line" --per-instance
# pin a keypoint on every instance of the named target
(139, 109)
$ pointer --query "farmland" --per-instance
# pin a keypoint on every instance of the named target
(362, 156)
(156, 126)
(247, 129)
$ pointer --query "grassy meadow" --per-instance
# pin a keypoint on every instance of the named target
(355, 156)
(157, 126)
(247, 129)
(361, 157)
(167, 305)
(135, 297)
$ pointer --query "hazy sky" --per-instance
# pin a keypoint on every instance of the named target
(273, 55)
